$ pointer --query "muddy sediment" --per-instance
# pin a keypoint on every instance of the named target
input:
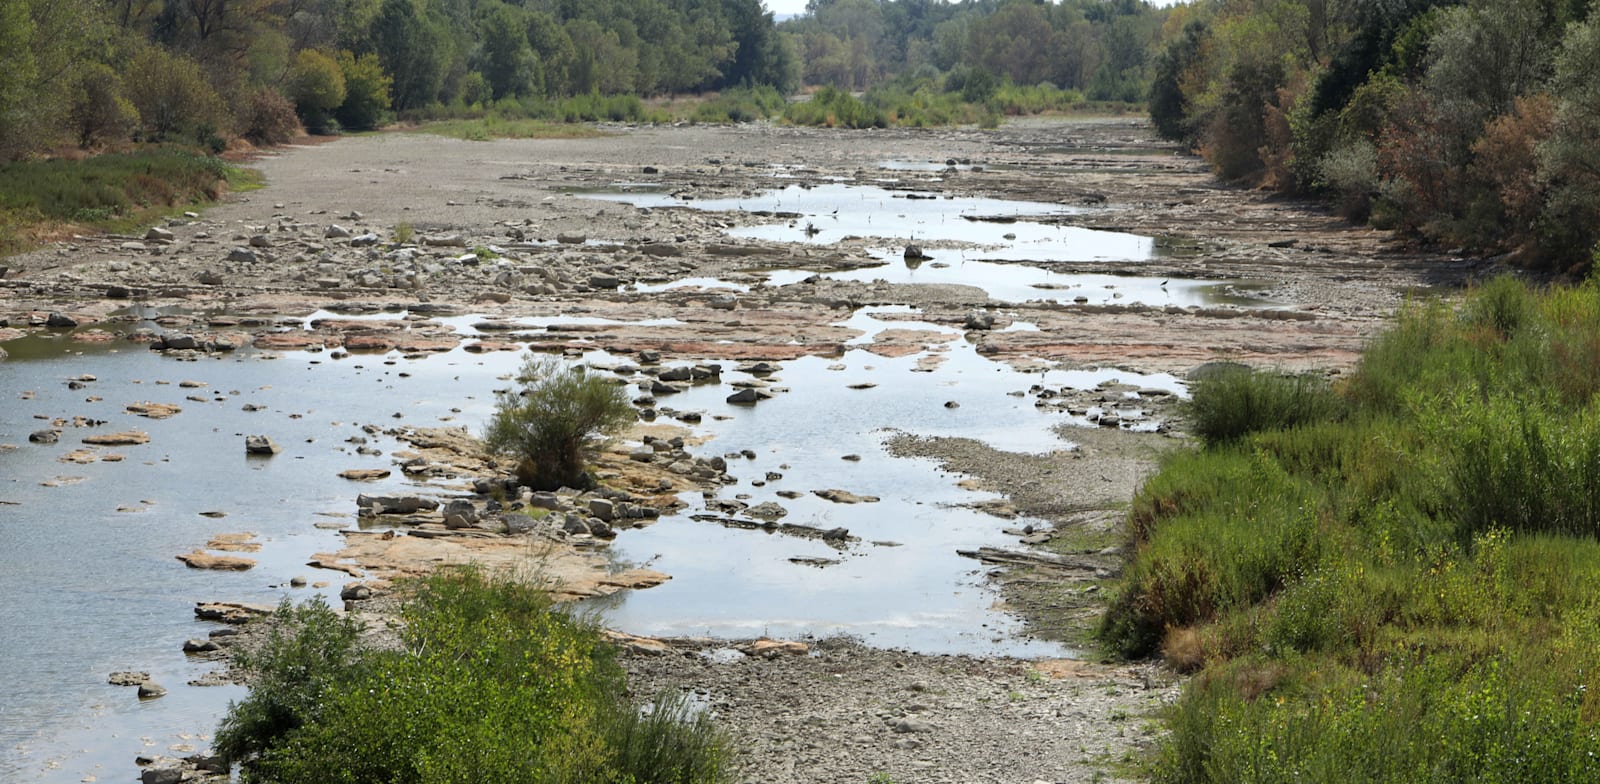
(416, 245)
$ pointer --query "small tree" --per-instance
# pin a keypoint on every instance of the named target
(317, 87)
(552, 424)
(366, 92)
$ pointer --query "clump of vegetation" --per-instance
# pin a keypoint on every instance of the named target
(1234, 401)
(740, 105)
(1400, 585)
(551, 423)
(834, 108)
(108, 192)
(490, 682)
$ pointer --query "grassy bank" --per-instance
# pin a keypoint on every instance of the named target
(489, 683)
(1394, 578)
(115, 192)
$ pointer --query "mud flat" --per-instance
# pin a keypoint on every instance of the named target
(988, 330)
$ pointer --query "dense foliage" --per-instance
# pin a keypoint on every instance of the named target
(550, 423)
(102, 72)
(1101, 48)
(489, 683)
(1398, 584)
(1469, 123)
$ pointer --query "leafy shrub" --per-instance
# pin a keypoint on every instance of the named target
(550, 425)
(491, 683)
(834, 108)
(1233, 402)
(99, 112)
(174, 101)
(267, 118)
(316, 85)
(366, 92)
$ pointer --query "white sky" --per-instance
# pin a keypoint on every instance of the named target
(781, 7)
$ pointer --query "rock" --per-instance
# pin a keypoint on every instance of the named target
(575, 524)
(600, 530)
(460, 513)
(199, 645)
(44, 436)
(365, 474)
(297, 581)
(771, 649)
(242, 256)
(748, 395)
(260, 241)
(150, 690)
(649, 357)
(356, 592)
(445, 241)
(980, 320)
(60, 321)
(209, 278)
(260, 445)
(520, 523)
(158, 234)
(844, 497)
(606, 282)
(199, 559)
(127, 438)
(910, 724)
(150, 410)
(364, 241)
(914, 253)
(382, 505)
(603, 509)
(682, 373)
(177, 342)
(335, 232)
(163, 775)
(723, 302)
(767, 510)
(571, 239)
(127, 678)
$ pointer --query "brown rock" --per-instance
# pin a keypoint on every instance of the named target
(365, 474)
(127, 438)
(150, 410)
(200, 559)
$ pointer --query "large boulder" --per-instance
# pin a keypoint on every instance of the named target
(260, 445)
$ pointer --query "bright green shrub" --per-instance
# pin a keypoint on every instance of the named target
(551, 424)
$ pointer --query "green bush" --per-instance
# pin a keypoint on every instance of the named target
(316, 85)
(552, 422)
(99, 113)
(490, 683)
(366, 92)
(173, 98)
(1231, 402)
(833, 108)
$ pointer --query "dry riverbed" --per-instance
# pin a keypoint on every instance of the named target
(401, 235)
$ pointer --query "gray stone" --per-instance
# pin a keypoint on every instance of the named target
(980, 320)
(364, 241)
(571, 239)
(44, 436)
(150, 690)
(545, 500)
(209, 278)
(914, 253)
(445, 241)
(242, 256)
(127, 678)
(260, 241)
(60, 320)
(649, 357)
(683, 373)
(723, 302)
(198, 645)
(746, 395)
(355, 592)
(520, 523)
(600, 530)
(260, 445)
(603, 509)
(604, 281)
(388, 504)
(575, 524)
(768, 511)
(158, 234)
(163, 775)
(462, 511)
(297, 581)
(910, 724)
(179, 343)
(335, 232)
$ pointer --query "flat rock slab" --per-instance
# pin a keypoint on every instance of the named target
(568, 572)
(200, 559)
(150, 410)
(127, 438)
(844, 497)
(365, 474)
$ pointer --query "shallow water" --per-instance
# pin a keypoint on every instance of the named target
(92, 586)
(996, 228)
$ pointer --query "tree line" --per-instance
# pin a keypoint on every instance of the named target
(1104, 48)
(1466, 123)
(100, 72)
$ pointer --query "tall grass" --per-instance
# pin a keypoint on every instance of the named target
(112, 192)
(1393, 580)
